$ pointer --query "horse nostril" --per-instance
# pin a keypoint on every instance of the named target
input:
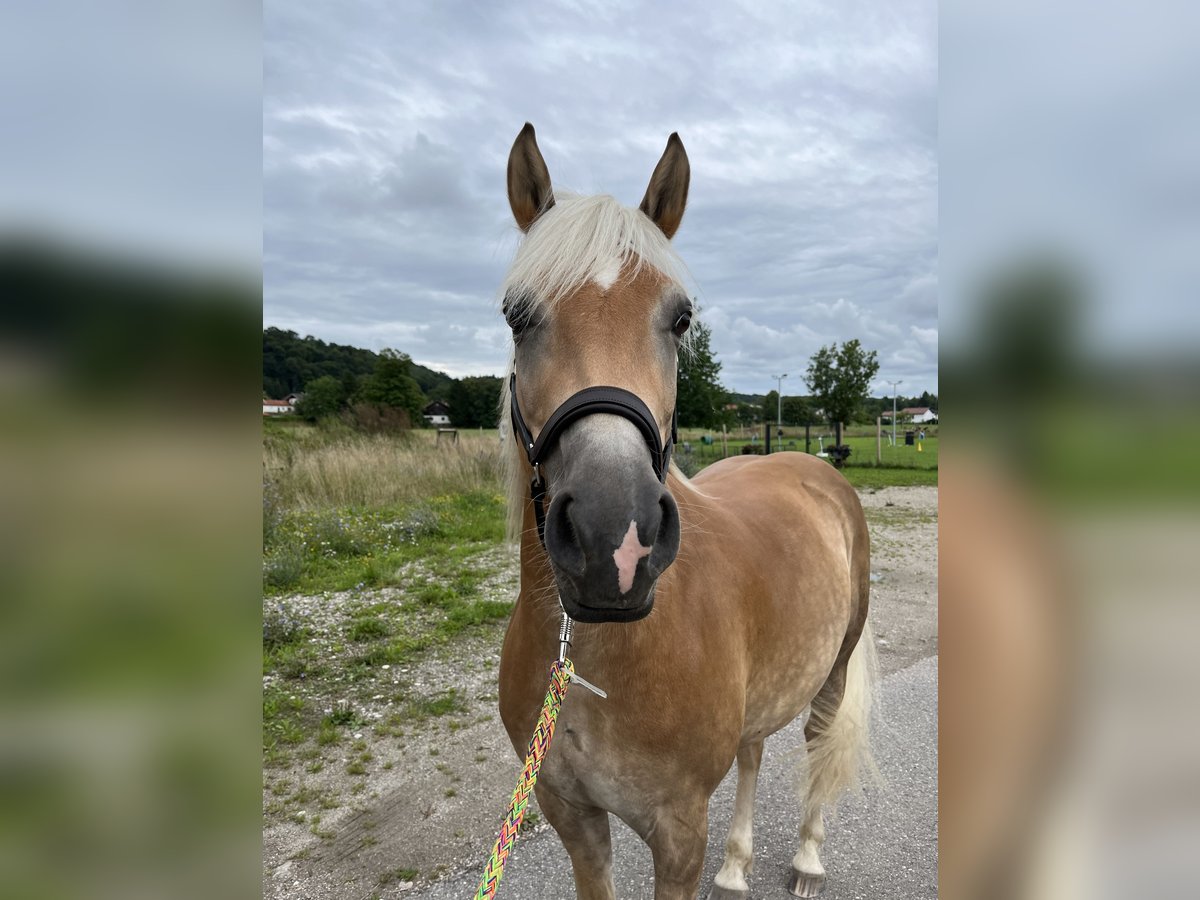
(666, 541)
(562, 538)
(569, 509)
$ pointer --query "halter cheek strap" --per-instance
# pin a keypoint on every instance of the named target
(588, 402)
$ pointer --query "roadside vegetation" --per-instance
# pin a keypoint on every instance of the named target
(377, 550)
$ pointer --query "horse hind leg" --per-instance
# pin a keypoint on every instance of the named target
(836, 735)
(730, 883)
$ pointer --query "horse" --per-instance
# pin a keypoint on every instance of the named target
(714, 610)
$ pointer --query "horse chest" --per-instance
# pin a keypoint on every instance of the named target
(609, 760)
(586, 769)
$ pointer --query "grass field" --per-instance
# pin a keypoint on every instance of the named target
(318, 468)
(343, 509)
(900, 465)
(377, 549)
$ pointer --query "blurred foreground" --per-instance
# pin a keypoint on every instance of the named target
(1070, 488)
(130, 463)
(129, 547)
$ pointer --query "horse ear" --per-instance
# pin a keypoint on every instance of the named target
(529, 192)
(666, 196)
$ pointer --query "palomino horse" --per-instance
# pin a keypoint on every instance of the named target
(713, 611)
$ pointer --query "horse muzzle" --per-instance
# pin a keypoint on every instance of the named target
(609, 537)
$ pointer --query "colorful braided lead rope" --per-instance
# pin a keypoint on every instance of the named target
(560, 677)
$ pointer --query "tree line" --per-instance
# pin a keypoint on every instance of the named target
(838, 377)
(387, 389)
(290, 362)
(373, 391)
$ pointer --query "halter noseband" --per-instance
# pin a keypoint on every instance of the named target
(588, 402)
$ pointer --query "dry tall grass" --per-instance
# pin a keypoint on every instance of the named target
(346, 469)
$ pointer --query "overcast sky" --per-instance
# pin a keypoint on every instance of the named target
(812, 135)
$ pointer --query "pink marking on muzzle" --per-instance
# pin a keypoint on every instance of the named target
(626, 557)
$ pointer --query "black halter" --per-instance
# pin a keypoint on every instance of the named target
(588, 402)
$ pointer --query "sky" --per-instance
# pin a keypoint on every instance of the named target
(812, 133)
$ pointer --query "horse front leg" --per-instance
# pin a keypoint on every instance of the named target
(677, 840)
(585, 835)
(731, 882)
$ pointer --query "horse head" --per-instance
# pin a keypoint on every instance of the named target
(599, 315)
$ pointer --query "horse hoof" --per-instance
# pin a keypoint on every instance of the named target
(805, 885)
(721, 893)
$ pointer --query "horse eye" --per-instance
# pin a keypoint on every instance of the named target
(518, 312)
(682, 324)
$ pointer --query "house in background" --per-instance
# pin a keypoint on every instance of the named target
(919, 415)
(277, 407)
(437, 413)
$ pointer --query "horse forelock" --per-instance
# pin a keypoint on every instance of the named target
(582, 239)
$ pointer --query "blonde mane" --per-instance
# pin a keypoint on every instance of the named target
(575, 241)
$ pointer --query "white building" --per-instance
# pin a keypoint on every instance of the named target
(437, 413)
(919, 415)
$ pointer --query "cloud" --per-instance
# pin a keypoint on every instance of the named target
(813, 208)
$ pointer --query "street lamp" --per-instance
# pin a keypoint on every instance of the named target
(893, 384)
(779, 397)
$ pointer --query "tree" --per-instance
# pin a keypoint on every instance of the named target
(391, 386)
(474, 401)
(796, 411)
(323, 397)
(748, 414)
(351, 385)
(770, 406)
(290, 361)
(701, 398)
(839, 378)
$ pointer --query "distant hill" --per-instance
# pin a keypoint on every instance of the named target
(435, 385)
(752, 399)
(290, 362)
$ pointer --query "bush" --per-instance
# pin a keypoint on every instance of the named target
(343, 714)
(281, 625)
(272, 511)
(284, 567)
(686, 461)
(368, 629)
(332, 536)
(376, 418)
(420, 523)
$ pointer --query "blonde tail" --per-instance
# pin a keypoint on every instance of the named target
(839, 755)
